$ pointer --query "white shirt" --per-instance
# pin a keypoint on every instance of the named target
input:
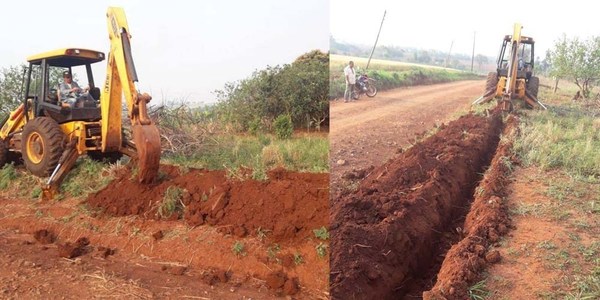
(349, 74)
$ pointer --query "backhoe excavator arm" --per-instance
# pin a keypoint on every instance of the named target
(120, 80)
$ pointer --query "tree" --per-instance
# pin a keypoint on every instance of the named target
(11, 83)
(577, 60)
(481, 60)
(12, 86)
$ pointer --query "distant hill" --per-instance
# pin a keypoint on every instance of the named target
(461, 61)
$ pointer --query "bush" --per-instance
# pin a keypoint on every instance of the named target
(283, 127)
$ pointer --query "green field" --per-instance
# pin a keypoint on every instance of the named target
(391, 74)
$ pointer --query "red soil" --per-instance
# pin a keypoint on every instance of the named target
(287, 207)
(382, 234)
(486, 222)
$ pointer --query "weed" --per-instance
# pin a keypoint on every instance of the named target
(321, 233)
(298, 259)
(548, 245)
(238, 249)
(479, 191)
(261, 233)
(171, 202)
(505, 160)
(36, 192)
(321, 250)
(272, 252)
(7, 175)
(478, 291)
(135, 231)
(39, 214)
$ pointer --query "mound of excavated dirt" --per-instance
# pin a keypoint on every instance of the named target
(485, 223)
(288, 206)
(385, 233)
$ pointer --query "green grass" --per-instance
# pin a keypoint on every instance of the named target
(564, 137)
(238, 249)
(392, 74)
(7, 175)
(478, 291)
(321, 233)
(87, 176)
(303, 153)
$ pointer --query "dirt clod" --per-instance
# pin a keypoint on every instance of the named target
(44, 236)
(290, 287)
(276, 280)
(157, 235)
(72, 250)
(105, 252)
(493, 257)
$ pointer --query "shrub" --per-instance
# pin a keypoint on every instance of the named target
(283, 127)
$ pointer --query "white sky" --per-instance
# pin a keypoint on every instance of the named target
(431, 24)
(182, 49)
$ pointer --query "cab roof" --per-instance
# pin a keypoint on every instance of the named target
(68, 57)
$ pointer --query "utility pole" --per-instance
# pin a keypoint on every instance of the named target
(376, 39)
(448, 59)
(473, 54)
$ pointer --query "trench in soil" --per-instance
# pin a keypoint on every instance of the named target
(390, 237)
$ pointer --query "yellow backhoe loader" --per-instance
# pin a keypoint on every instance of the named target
(51, 135)
(513, 78)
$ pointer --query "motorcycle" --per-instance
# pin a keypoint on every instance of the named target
(364, 85)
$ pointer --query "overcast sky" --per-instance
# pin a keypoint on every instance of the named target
(182, 49)
(435, 24)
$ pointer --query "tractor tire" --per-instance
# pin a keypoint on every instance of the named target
(533, 86)
(3, 153)
(108, 157)
(42, 146)
(491, 84)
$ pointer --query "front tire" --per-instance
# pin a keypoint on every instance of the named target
(371, 91)
(42, 146)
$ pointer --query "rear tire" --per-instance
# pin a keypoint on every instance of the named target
(533, 86)
(355, 95)
(491, 84)
(371, 91)
(42, 146)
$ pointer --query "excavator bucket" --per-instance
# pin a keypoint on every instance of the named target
(147, 143)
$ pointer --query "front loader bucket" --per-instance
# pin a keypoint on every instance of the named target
(147, 143)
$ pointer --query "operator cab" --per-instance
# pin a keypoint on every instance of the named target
(42, 84)
(525, 57)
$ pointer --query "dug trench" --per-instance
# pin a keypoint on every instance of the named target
(391, 237)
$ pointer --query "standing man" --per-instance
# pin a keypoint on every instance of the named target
(350, 80)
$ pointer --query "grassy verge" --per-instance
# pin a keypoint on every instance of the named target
(390, 74)
(86, 177)
(564, 137)
(559, 149)
(303, 153)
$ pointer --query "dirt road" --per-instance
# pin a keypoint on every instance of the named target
(371, 130)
